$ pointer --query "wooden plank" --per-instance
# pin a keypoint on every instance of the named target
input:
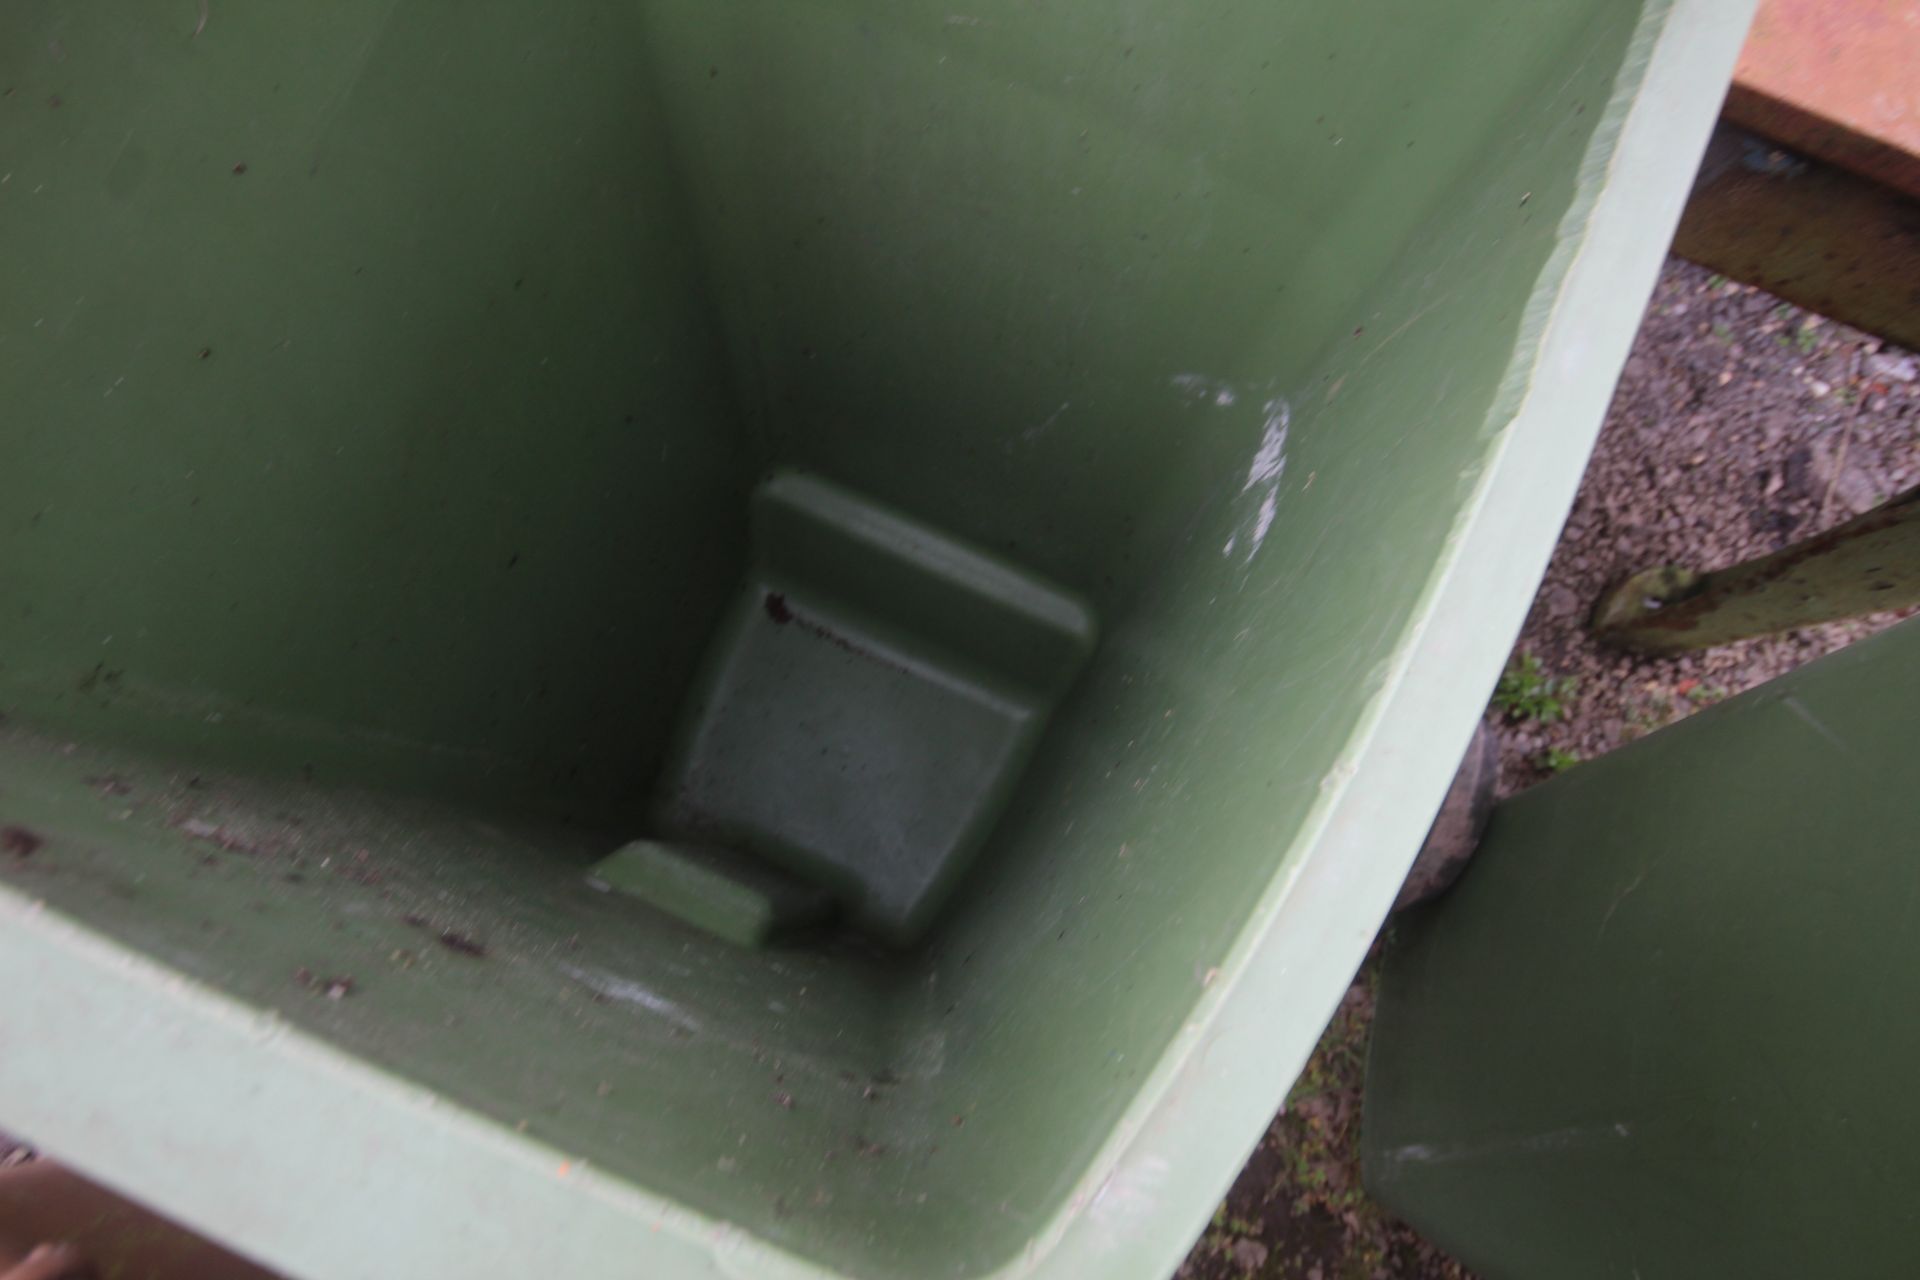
(1837, 80)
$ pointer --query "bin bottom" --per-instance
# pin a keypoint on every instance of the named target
(444, 948)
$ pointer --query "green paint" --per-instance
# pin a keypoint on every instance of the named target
(398, 489)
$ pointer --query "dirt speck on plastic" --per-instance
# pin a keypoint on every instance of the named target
(21, 842)
(453, 940)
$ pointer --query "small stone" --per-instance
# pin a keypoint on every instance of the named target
(1798, 469)
(1897, 367)
(1819, 388)
(1852, 487)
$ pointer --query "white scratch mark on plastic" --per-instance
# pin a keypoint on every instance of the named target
(926, 1057)
(1553, 1140)
(1799, 709)
(1624, 895)
(1265, 471)
(1270, 459)
(1128, 1196)
(1200, 389)
(627, 991)
(1035, 432)
(1263, 521)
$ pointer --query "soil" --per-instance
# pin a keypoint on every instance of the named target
(1740, 425)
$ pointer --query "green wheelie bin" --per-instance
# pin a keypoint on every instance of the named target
(651, 638)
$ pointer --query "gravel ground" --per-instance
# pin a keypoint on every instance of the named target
(1740, 425)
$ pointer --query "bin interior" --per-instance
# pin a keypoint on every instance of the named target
(389, 387)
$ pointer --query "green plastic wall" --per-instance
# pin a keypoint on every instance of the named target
(1665, 1023)
(384, 385)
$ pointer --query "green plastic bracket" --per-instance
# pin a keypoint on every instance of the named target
(736, 898)
(867, 706)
